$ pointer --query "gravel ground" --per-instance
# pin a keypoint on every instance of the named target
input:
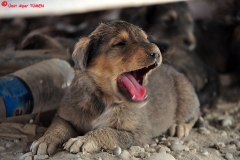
(216, 137)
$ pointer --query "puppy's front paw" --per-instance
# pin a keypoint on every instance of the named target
(93, 141)
(46, 145)
(180, 130)
(82, 143)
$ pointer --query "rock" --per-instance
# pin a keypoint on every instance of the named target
(167, 149)
(225, 121)
(28, 155)
(161, 156)
(179, 147)
(203, 130)
(134, 150)
(16, 141)
(117, 151)
(146, 146)
(153, 145)
(144, 155)
(221, 144)
(223, 133)
(156, 140)
(31, 121)
(125, 155)
(228, 156)
(173, 140)
(2, 149)
(151, 150)
(161, 150)
(9, 144)
(194, 151)
(237, 143)
(37, 157)
(232, 147)
(205, 153)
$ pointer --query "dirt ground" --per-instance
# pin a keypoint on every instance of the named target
(216, 136)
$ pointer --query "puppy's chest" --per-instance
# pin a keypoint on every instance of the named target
(116, 117)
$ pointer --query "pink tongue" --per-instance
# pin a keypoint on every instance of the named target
(135, 89)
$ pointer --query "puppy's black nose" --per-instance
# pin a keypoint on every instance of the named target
(187, 42)
(155, 54)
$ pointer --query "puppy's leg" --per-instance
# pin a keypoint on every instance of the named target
(187, 111)
(101, 138)
(58, 133)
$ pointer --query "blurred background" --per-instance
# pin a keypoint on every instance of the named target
(198, 37)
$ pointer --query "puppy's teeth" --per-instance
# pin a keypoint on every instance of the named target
(133, 97)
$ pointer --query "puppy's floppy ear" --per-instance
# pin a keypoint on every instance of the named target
(80, 53)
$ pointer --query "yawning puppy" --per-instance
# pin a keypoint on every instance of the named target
(109, 102)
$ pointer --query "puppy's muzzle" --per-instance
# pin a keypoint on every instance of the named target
(155, 53)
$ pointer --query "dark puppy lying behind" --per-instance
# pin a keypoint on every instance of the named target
(205, 80)
(107, 104)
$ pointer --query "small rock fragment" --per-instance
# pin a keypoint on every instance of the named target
(203, 130)
(153, 145)
(9, 144)
(161, 150)
(161, 156)
(37, 157)
(117, 151)
(125, 155)
(228, 156)
(135, 150)
(205, 153)
(31, 121)
(146, 146)
(225, 121)
(26, 155)
(151, 150)
(179, 147)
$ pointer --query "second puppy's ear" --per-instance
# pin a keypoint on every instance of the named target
(81, 52)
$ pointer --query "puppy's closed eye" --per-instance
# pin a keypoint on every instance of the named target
(119, 43)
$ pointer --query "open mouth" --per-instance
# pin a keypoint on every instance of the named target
(131, 83)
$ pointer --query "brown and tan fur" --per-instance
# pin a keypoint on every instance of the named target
(95, 115)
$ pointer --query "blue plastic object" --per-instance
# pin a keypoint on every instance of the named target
(17, 96)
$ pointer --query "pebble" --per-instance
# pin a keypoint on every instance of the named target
(117, 151)
(205, 153)
(26, 155)
(223, 133)
(194, 151)
(144, 155)
(36, 157)
(125, 155)
(221, 144)
(203, 130)
(146, 146)
(237, 143)
(179, 147)
(135, 150)
(168, 150)
(156, 140)
(9, 144)
(226, 122)
(16, 140)
(153, 145)
(151, 150)
(2, 149)
(228, 156)
(161, 150)
(232, 147)
(161, 156)
(31, 121)
(173, 140)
